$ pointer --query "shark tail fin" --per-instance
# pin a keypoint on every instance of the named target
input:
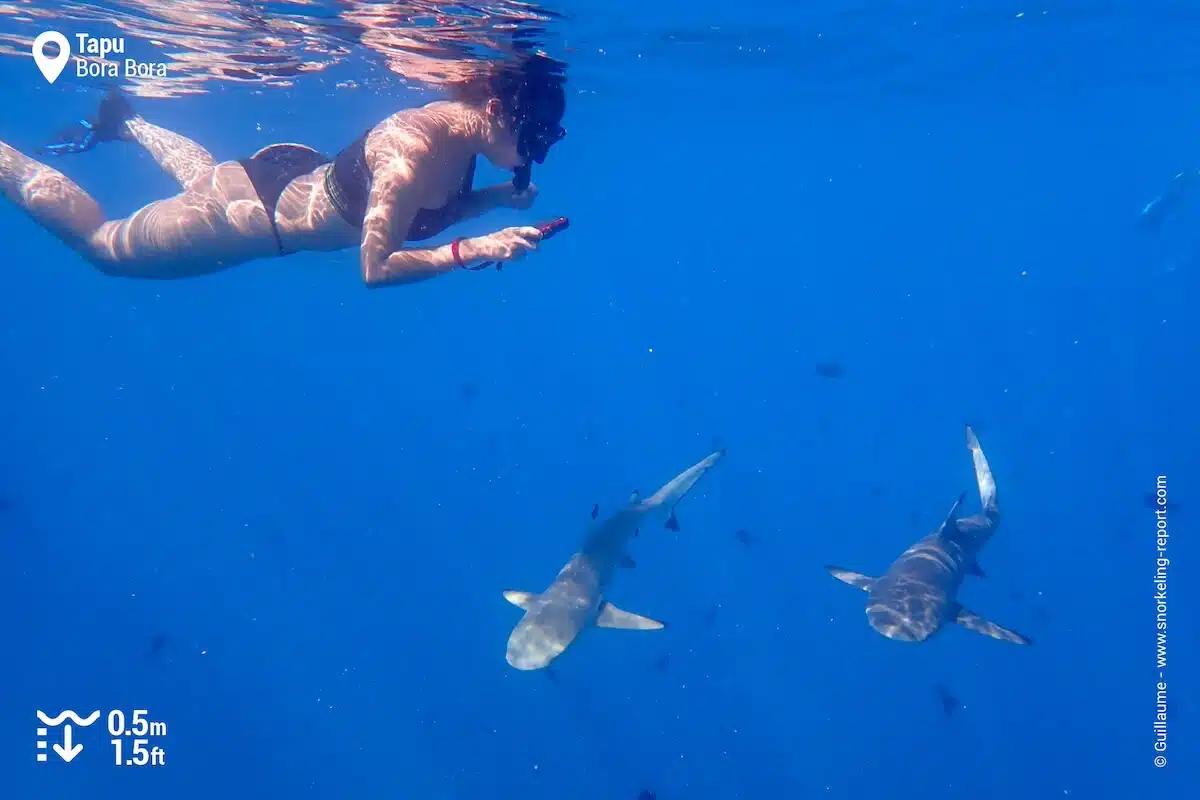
(983, 476)
(670, 494)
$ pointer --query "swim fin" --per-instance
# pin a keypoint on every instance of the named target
(106, 125)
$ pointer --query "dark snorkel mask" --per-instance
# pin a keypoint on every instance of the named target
(535, 137)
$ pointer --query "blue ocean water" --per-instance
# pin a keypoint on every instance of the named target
(277, 510)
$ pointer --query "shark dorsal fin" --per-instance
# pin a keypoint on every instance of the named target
(635, 497)
(953, 515)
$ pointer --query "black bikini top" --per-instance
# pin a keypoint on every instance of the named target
(349, 183)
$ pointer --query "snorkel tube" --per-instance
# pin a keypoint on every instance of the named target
(522, 176)
(536, 102)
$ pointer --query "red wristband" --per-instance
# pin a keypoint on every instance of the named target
(454, 252)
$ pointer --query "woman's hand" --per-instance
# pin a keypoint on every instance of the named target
(506, 245)
(521, 200)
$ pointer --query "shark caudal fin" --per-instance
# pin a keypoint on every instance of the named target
(855, 579)
(983, 476)
(670, 494)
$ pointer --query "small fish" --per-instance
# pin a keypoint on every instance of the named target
(745, 537)
(595, 510)
(829, 369)
(1150, 501)
(949, 702)
(1167, 205)
(646, 794)
(158, 643)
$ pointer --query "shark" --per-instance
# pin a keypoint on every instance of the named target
(918, 594)
(576, 600)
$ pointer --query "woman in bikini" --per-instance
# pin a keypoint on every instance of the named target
(405, 180)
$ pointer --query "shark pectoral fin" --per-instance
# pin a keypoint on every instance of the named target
(973, 622)
(627, 562)
(855, 579)
(976, 570)
(949, 520)
(521, 600)
(612, 617)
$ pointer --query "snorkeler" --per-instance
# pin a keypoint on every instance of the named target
(405, 180)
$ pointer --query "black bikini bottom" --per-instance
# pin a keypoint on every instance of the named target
(273, 168)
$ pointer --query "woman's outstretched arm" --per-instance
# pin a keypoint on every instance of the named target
(391, 209)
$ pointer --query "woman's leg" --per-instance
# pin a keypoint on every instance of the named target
(217, 223)
(180, 157)
(115, 119)
(54, 201)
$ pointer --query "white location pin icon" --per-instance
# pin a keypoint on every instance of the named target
(51, 67)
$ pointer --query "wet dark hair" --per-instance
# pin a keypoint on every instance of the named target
(530, 91)
(528, 87)
(535, 90)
